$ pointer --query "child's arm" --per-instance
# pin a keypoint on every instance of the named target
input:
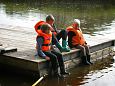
(70, 36)
(52, 48)
(39, 44)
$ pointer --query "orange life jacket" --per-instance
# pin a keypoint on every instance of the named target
(46, 46)
(40, 23)
(78, 38)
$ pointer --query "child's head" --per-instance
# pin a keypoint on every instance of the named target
(45, 28)
(76, 23)
(50, 19)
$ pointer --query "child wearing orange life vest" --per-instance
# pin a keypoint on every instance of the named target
(56, 34)
(76, 40)
(44, 40)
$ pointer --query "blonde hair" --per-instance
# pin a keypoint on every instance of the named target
(77, 21)
(45, 27)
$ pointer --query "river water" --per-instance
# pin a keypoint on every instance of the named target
(97, 19)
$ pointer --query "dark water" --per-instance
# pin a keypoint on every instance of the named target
(7, 79)
(102, 73)
(96, 75)
(97, 19)
(96, 16)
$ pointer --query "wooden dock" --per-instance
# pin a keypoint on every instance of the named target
(22, 44)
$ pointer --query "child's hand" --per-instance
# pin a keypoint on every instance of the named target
(47, 58)
(51, 29)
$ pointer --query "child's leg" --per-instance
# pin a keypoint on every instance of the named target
(59, 58)
(88, 53)
(54, 62)
(82, 50)
(87, 49)
(83, 54)
(55, 41)
(62, 34)
(61, 62)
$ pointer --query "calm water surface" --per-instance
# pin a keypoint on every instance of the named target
(102, 73)
(97, 19)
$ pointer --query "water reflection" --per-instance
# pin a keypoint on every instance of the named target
(95, 16)
(86, 75)
(9, 79)
(95, 75)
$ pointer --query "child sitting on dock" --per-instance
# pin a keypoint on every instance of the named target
(76, 40)
(56, 34)
(44, 40)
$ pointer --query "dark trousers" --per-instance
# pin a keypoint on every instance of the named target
(56, 60)
(62, 34)
(84, 50)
